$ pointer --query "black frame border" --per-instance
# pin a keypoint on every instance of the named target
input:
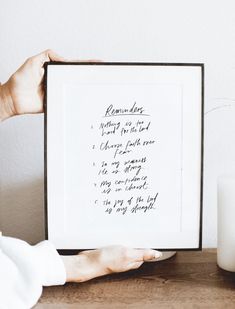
(201, 65)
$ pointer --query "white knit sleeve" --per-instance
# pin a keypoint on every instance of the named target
(24, 269)
(50, 263)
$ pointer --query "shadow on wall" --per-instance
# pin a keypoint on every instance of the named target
(22, 211)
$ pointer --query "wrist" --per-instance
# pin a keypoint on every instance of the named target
(73, 268)
(6, 103)
(81, 267)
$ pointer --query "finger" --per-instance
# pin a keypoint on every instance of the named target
(146, 254)
(135, 265)
(87, 60)
(149, 254)
(47, 55)
(53, 56)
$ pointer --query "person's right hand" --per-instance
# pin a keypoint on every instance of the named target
(113, 259)
(24, 89)
(23, 93)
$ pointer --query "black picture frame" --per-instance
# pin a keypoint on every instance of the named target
(201, 65)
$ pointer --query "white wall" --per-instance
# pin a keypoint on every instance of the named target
(121, 30)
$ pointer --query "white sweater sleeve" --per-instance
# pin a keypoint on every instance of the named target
(25, 269)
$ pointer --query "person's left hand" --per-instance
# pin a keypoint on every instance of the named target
(112, 259)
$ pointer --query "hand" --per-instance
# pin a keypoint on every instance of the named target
(94, 263)
(23, 92)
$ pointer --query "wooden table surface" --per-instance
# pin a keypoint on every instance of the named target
(188, 280)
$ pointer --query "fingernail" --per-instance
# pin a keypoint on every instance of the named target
(157, 254)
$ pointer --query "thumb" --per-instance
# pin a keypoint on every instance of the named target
(48, 55)
(53, 56)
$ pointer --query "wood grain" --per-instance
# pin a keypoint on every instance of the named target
(188, 280)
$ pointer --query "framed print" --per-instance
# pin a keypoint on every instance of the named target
(124, 155)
